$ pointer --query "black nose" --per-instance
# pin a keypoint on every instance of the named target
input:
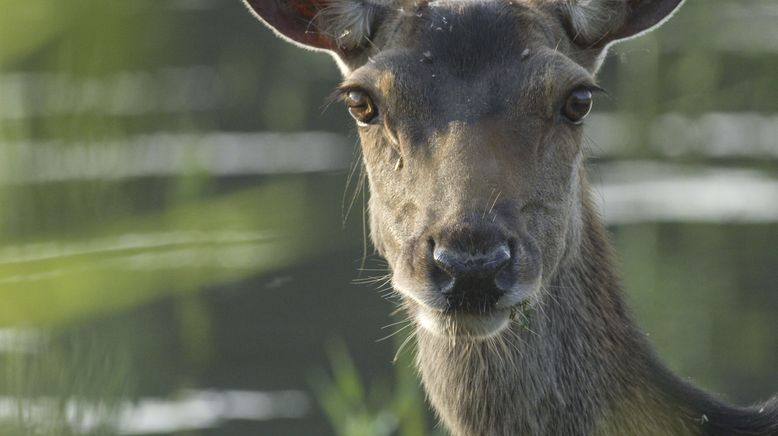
(468, 278)
(460, 264)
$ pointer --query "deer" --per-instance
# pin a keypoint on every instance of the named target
(470, 115)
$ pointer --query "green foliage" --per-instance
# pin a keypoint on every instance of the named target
(179, 250)
(65, 385)
(376, 408)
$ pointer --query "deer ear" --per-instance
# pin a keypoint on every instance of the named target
(597, 23)
(339, 26)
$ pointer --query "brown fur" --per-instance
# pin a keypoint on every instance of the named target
(470, 150)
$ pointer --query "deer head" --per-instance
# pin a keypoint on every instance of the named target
(470, 115)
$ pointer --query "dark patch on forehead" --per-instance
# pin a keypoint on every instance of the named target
(470, 37)
(464, 61)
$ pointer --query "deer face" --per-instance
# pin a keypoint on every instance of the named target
(471, 146)
(470, 117)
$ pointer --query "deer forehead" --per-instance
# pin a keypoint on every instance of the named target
(471, 35)
(434, 94)
(470, 60)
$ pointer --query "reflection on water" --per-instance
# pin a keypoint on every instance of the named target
(125, 93)
(127, 243)
(644, 191)
(712, 135)
(58, 385)
(68, 384)
(17, 340)
(167, 155)
(190, 410)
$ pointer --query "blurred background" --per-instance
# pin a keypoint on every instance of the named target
(177, 254)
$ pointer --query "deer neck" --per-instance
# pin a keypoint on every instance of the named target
(577, 366)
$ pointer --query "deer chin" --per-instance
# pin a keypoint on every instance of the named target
(431, 315)
(478, 326)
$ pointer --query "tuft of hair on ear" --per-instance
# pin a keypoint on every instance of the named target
(350, 23)
(590, 21)
(597, 23)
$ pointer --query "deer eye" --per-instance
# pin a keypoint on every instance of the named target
(578, 105)
(360, 106)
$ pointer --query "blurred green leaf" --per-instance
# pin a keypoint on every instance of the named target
(26, 26)
(141, 258)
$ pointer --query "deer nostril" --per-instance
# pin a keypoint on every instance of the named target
(459, 264)
(470, 280)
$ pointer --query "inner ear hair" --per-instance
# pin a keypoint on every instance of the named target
(590, 21)
(338, 26)
(597, 23)
(350, 23)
